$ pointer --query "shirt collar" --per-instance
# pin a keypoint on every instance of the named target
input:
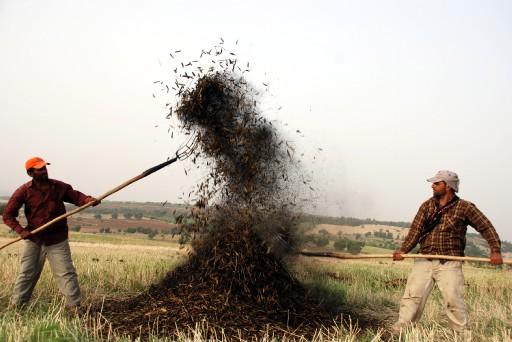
(30, 183)
(436, 201)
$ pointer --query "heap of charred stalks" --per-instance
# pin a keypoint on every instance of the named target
(235, 279)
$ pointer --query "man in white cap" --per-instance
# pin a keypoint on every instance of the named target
(440, 228)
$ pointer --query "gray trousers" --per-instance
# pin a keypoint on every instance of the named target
(32, 262)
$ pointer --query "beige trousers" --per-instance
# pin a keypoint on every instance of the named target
(32, 262)
(450, 280)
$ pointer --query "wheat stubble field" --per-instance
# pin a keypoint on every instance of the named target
(364, 290)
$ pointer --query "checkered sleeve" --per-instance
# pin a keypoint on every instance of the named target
(416, 227)
(482, 225)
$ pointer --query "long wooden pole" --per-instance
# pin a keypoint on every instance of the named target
(108, 193)
(390, 256)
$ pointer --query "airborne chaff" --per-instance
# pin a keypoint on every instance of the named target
(235, 277)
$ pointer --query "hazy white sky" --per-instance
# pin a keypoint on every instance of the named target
(392, 91)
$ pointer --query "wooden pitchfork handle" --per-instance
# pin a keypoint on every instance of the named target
(108, 193)
(387, 256)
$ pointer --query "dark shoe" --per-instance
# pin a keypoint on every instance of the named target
(15, 306)
(73, 310)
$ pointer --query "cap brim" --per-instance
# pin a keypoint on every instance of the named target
(40, 165)
(434, 179)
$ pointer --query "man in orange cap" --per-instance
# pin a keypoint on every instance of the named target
(43, 200)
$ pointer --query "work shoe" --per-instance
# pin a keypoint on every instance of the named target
(396, 329)
(14, 306)
(465, 335)
(73, 310)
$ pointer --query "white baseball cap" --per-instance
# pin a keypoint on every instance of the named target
(449, 177)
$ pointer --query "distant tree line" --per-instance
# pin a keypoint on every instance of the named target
(383, 235)
(341, 244)
(134, 213)
(351, 246)
(386, 244)
(129, 212)
(351, 221)
(318, 240)
(506, 247)
(474, 251)
(308, 221)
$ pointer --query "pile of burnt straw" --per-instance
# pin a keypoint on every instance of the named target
(235, 279)
(232, 282)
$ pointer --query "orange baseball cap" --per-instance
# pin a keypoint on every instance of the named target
(35, 163)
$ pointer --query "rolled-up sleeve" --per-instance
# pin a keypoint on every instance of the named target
(75, 197)
(12, 209)
(482, 225)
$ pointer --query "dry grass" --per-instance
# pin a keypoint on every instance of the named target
(368, 289)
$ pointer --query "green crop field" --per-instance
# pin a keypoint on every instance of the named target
(112, 265)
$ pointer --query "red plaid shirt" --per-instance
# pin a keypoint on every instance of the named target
(42, 207)
(449, 236)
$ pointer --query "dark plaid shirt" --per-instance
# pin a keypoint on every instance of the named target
(449, 236)
(41, 207)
